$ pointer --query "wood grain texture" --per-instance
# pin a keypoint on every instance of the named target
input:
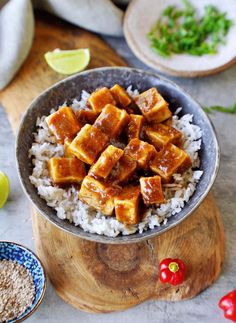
(101, 277)
(98, 277)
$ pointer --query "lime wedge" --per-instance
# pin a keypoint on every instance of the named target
(4, 189)
(68, 61)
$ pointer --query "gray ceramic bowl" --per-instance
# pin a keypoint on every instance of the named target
(89, 80)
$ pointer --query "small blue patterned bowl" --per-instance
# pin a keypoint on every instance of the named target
(25, 257)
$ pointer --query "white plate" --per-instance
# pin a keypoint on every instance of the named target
(142, 14)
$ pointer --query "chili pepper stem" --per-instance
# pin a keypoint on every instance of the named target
(173, 267)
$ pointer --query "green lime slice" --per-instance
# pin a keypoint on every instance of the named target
(68, 61)
(4, 189)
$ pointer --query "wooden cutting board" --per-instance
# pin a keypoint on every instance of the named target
(101, 277)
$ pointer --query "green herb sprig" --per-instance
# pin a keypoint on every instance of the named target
(231, 110)
(181, 31)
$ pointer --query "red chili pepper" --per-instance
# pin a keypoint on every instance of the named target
(172, 271)
(228, 304)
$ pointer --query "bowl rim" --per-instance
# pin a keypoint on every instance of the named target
(132, 238)
(16, 320)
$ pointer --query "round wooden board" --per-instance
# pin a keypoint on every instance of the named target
(142, 14)
(102, 278)
(99, 277)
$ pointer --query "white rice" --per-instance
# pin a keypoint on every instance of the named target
(66, 201)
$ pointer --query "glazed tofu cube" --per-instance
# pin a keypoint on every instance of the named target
(63, 124)
(153, 106)
(170, 160)
(127, 205)
(151, 190)
(123, 170)
(140, 151)
(89, 142)
(66, 170)
(86, 116)
(120, 95)
(112, 120)
(100, 98)
(186, 164)
(67, 152)
(107, 160)
(160, 135)
(168, 122)
(96, 194)
(135, 126)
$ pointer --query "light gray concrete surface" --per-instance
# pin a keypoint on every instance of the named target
(15, 221)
